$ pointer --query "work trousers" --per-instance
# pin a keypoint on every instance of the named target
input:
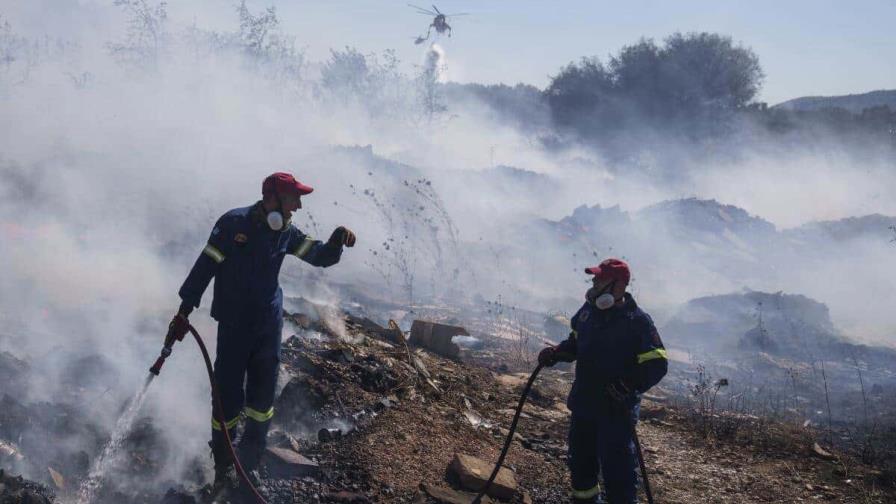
(603, 444)
(246, 367)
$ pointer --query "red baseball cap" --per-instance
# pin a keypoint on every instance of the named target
(284, 183)
(611, 269)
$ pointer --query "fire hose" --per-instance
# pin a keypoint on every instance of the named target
(217, 410)
(512, 431)
(516, 419)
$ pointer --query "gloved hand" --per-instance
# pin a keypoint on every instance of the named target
(178, 327)
(548, 357)
(342, 236)
(621, 390)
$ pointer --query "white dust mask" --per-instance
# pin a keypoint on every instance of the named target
(275, 220)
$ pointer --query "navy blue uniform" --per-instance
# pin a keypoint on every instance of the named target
(244, 256)
(620, 343)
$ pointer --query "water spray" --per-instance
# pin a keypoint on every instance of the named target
(90, 486)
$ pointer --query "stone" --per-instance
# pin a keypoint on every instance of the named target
(450, 496)
(284, 463)
(822, 453)
(473, 473)
(436, 337)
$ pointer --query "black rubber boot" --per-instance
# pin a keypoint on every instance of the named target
(225, 486)
(244, 494)
(249, 453)
(225, 473)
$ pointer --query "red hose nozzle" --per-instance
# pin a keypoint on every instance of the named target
(157, 366)
(166, 351)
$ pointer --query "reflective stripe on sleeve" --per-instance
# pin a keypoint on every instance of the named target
(656, 353)
(259, 416)
(214, 253)
(305, 246)
(230, 423)
(586, 494)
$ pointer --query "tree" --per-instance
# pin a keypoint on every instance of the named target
(18, 55)
(579, 92)
(637, 75)
(709, 70)
(147, 33)
(257, 33)
(346, 72)
(690, 77)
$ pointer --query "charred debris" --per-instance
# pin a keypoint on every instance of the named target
(372, 412)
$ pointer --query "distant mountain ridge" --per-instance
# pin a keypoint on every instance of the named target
(694, 217)
(852, 102)
(874, 226)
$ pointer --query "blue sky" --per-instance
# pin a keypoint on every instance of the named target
(806, 47)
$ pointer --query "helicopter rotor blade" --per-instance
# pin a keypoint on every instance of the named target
(436, 9)
(458, 14)
(421, 10)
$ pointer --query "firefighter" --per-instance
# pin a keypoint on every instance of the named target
(619, 355)
(244, 253)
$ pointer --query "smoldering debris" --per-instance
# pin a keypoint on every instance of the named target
(17, 490)
(347, 424)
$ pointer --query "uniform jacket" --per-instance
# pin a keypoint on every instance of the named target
(244, 256)
(620, 343)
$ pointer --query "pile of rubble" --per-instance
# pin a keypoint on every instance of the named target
(17, 490)
(365, 413)
(398, 417)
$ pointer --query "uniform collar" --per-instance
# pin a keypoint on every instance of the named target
(258, 214)
(628, 306)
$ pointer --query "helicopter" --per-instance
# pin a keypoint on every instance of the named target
(439, 22)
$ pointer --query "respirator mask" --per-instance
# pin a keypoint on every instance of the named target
(275, 217)
(602, 299)
(275, 220)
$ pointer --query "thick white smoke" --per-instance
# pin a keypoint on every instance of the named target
(114, 164)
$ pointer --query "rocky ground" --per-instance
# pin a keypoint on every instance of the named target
(402, 423)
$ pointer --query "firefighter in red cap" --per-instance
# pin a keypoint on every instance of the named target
(244, 254)
(619, 355)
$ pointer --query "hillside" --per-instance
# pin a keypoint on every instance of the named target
(852, 102)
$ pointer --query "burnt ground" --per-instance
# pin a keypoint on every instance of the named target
(404, 412)
(436, 403)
